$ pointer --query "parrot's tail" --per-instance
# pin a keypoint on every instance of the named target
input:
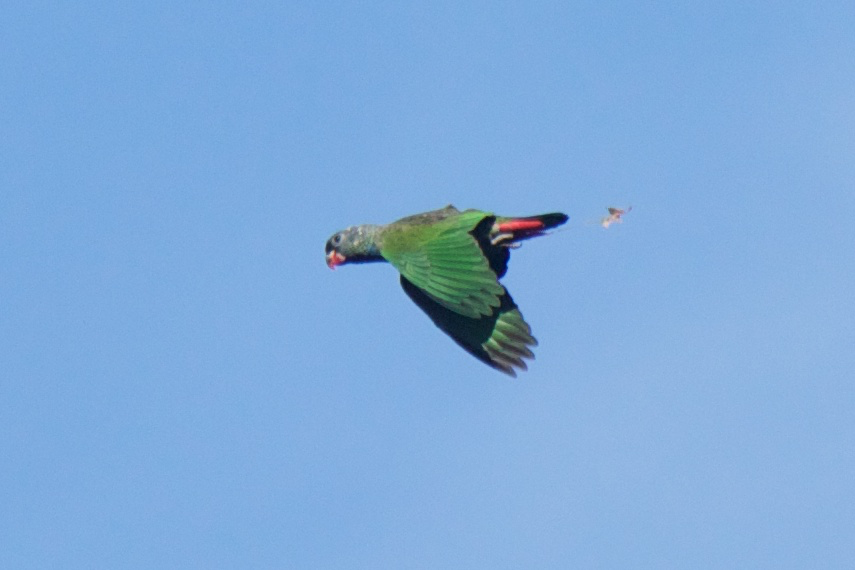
(517, 229)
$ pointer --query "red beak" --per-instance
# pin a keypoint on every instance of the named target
(334, 259)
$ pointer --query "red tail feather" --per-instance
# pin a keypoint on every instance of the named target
(518, 225)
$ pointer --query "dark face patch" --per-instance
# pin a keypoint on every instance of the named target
(333, 242)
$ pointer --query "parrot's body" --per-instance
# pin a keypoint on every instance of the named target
(450, 264)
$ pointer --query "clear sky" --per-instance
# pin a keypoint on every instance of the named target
(184, 383)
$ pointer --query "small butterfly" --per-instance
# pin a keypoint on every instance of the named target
(614, 216)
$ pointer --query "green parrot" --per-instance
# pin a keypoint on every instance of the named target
(450, 264)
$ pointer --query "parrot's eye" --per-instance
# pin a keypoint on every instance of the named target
(336, 239)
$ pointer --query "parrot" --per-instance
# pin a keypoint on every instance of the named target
(450, 263)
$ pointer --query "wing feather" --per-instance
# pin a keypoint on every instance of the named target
(444, 260)
(500, 339)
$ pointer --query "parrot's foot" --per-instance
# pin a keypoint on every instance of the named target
(503, 239)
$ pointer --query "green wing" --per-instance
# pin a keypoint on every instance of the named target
(500, 339)
(444, 260)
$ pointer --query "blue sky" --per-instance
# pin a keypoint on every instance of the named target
(186, 384)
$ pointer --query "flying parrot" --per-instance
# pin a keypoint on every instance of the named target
(450, 264)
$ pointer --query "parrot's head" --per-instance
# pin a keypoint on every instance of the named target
(354, 245)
